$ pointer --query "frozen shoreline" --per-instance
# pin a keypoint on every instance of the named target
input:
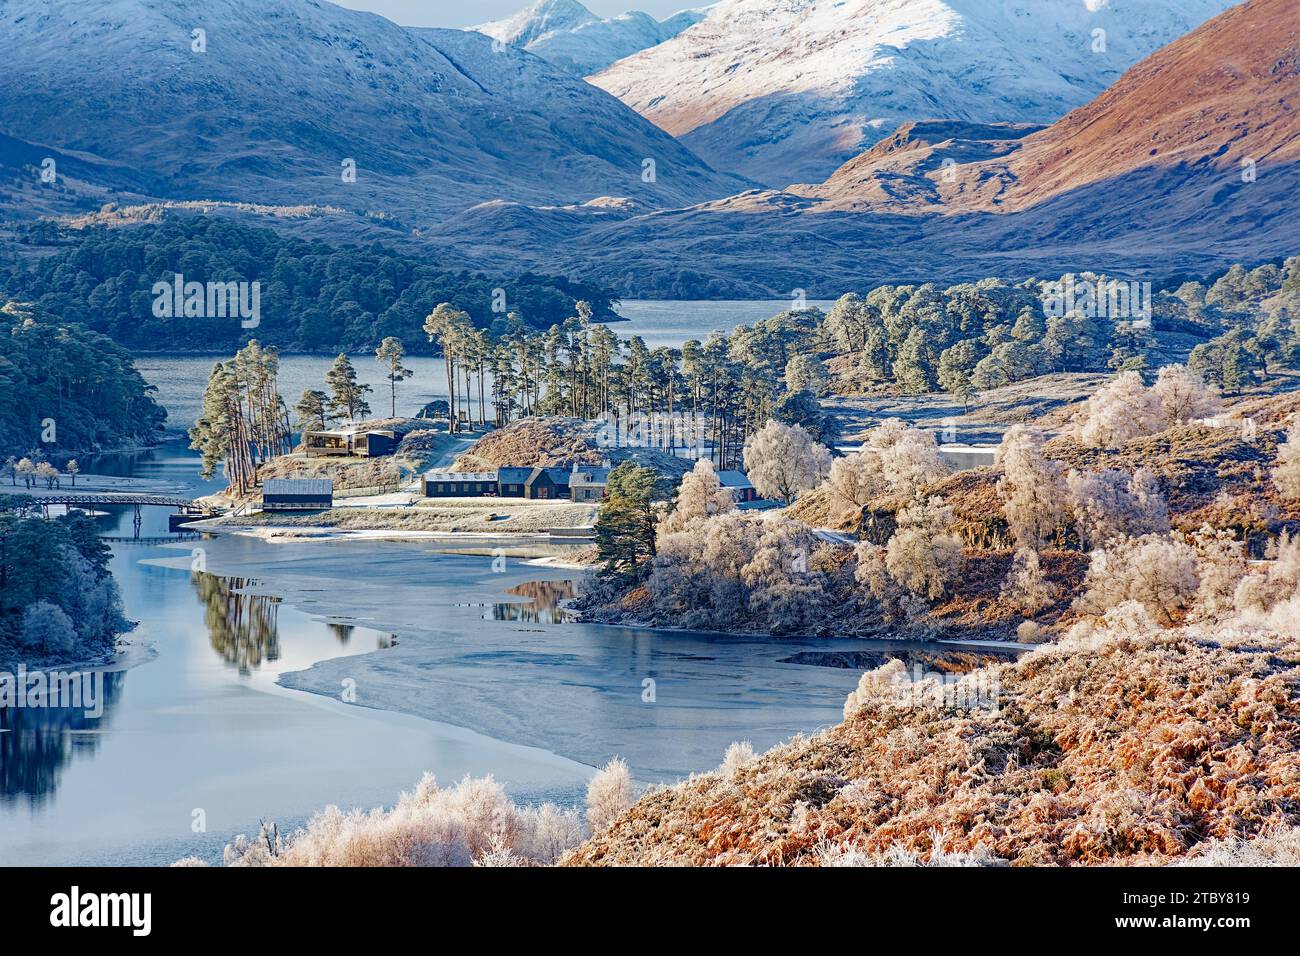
(470, 653)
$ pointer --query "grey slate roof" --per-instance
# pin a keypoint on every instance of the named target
(734, 479)
(585, 477)
(558, 475)
(513, 476)
(319, 487)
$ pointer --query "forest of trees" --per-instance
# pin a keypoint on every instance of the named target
(981, 335)
(244, 421)
(722, 389)
(314, 297)
(58, 600)
(67, 391)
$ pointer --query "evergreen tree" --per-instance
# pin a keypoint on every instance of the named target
(627, 519)
(313, 410)
(912, 369)
(389, 355)
(348, 395)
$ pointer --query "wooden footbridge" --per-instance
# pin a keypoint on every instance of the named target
(187, 510)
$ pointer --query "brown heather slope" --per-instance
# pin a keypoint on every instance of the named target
(554, 441)
(1227, 91)
(1131, 749)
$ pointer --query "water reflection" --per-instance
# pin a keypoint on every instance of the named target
(542, 606)
(37, 743)
(242, 627)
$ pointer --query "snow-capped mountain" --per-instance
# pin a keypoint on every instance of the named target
(1187, 163)
(280, 101)
(784, 91)
(575, 39)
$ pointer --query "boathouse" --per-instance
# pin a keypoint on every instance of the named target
(297, 494)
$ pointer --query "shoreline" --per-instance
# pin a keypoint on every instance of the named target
(916, 642)
(285, 533)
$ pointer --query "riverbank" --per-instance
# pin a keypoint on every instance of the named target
(471, 653)
(495, 517)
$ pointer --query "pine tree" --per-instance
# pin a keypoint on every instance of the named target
(313, 410)
(389, 355)
(912, 369)
(348, 394)
(626, 523)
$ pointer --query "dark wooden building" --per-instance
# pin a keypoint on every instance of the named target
(297, 494)
(459, 484)
(547, 484)
(511, 481)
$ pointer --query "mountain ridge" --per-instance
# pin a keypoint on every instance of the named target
(285, 92)
(785, 91)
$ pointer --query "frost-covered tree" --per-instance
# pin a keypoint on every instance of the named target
(736, 567)
(47, 630)
(895, 459)
(1157, 571)
(1220, 565)
(609, 794)
(699, 496)
(806, 373)
(1032, 488)
(783, 460)
(1026, 587)
(1122, 409)
(1112, 503)
(1286, 473)
(854, 480)
(784, 592)
(911, 461)
(93, 604)
(923, 555)
(1278, 582)
(1184, 395)
(696, 577)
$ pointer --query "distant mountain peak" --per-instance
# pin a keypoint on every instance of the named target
(536, 21)
(575, 39)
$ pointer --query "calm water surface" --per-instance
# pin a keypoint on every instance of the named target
(235, 714)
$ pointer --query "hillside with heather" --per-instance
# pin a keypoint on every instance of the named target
(1120, 746)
